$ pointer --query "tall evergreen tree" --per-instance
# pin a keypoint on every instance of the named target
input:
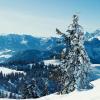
(34, 91)
(75, 62)
(25, 91)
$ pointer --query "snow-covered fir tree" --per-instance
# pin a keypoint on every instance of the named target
(75, 62)
(30, 90)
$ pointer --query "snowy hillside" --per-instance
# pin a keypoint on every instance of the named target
(5, 54)
(28, 47)
(92, 94)
(9, 71)
(54, 62)
(27, 57)
(91, 36)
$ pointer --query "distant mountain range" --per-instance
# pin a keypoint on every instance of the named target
(16, 48)
(24, 58)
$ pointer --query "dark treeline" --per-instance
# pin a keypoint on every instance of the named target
(39, 80)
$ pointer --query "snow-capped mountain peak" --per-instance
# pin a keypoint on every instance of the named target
(91, 36)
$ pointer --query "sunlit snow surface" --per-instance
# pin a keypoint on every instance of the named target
(97, 37)
(9, 71)
(54, 62)
(24, 42)
(92, 94)
(4, 54)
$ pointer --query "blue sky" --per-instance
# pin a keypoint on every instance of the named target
(41, 17)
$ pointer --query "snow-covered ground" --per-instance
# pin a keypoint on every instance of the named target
(92, 94)
(54, 62)
(5, 51)
(95, 65)
(24, 42)
(5, 54)
(9, 71)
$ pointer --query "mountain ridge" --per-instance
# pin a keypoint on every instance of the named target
(45, 48)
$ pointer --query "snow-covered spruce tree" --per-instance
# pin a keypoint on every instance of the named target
(25, 91)
(75, 62)
(34, 92)
(30, 90)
